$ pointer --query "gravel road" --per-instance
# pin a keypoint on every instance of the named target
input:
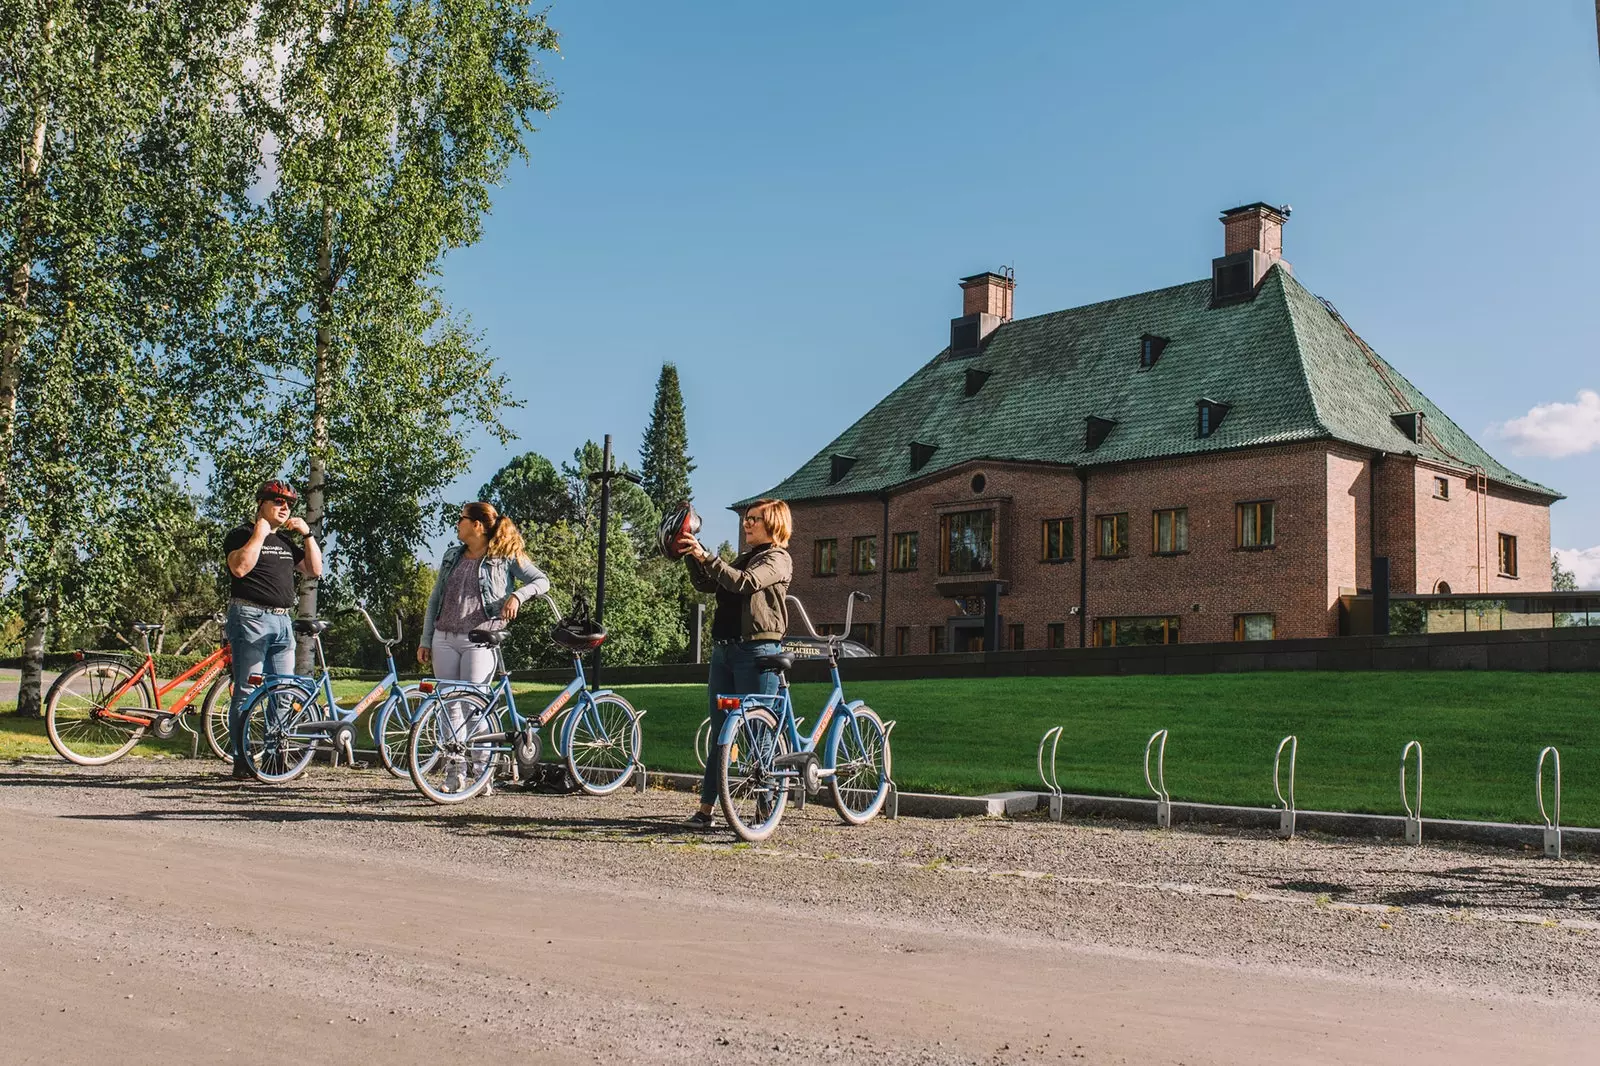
(154, 912)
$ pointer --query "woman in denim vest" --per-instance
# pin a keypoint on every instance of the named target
(475, 590)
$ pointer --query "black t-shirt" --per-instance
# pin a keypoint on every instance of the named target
(271, 582)
(729, 619)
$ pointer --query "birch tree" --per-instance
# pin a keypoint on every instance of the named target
(389, 125)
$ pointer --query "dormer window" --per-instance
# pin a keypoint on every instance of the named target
(975, 380)
(920, 454)
(1409, 423)
(839, 466)
(1096, 430)
(1209, 415)
(1150, 347)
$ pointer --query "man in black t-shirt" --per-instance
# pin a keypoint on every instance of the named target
(261, 565)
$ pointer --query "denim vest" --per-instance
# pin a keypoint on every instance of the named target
(494, 585)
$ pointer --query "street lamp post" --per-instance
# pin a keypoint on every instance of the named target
(604, 476)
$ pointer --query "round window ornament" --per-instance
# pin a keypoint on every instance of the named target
(978, 482)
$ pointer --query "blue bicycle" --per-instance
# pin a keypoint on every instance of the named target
(464, 733)
(288, 718)
(763, 755)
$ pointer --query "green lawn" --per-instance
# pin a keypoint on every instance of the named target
(1481, 733)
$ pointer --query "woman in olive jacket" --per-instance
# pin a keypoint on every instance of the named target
(749, 622)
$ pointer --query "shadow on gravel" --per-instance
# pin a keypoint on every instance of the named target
(1476, 886)
(1315, 888)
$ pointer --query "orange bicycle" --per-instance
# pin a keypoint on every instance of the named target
(102, 705)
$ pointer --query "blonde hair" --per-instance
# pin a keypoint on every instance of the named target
(774, 514)
(505, 540)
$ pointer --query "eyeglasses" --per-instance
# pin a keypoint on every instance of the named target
(750, 519)
(278, 501)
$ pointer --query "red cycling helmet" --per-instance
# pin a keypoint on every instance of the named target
(674, 524)
(276, 488)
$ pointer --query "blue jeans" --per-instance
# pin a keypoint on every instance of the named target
(733, 673)
(263, 643)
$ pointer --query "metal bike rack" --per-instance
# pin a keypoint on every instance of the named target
(1286, 806)
(702, 742)
(1052, 780)
(642, 774)
(1413, 816)
(1552, 825)
(1159, 785)
(891, 803)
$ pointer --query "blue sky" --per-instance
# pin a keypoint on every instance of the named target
(781, 199)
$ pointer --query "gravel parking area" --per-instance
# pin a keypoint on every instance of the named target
(1009, 925)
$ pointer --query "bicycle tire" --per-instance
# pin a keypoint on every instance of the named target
(391, 732)
(753, 798)
(433, 749)
(603, 738)
(214, 721)
(858, 795)
(75, 702)
(278, 751)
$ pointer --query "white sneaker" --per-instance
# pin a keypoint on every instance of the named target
(452, 781)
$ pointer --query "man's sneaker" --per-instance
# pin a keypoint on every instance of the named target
(700, 820)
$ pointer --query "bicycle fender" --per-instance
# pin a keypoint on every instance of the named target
(730, 726)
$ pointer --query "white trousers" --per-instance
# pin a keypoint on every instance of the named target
(455, 658)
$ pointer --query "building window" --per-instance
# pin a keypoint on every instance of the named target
(1122, 632)
(1254, 627)
(1254, 525)
(936, 640)
(864, 633)
(902, 640)
(1056, 540)
(1508, 555)
(1150, 347)
(905, 551)
(966, 542)
(1441, 488)
(1170, 531)
(1016, 637)
(1055, 635)
(1113, 536)
(825, 558)
(1210, 414)
(864, 555)
(1441, 588)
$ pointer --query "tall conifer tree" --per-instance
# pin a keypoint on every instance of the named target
(664, 456)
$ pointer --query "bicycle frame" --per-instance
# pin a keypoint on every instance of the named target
(319, 689)
(500, 694)
(202, 673)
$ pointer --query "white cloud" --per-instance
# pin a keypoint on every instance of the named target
(1584, 564)
(1555, 429)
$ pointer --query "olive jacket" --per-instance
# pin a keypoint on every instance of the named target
(760, 575)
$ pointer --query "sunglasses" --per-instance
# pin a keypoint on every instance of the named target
(280, 501)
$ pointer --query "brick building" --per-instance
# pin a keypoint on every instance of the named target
(1213, 461)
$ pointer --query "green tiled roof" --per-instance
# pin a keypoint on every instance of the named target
(1286, 366)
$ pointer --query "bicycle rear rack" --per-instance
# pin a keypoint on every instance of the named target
(1413, 817)
(1052, 779)
(1159, 785)
(1286, 806)
(1552, 825)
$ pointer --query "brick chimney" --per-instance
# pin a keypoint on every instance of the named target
(985, 304)
(1252, 243)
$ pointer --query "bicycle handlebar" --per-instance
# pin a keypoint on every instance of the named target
(399, 633)
(849, 614)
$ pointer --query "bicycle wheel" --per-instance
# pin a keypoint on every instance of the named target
(214, 717)
(753, 796)
(447, 758)
(82, 709)
(277, 743)
(391, 731)
(602, 743)
(858, 749)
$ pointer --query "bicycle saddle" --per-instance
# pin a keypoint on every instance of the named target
(780, 663)
(148, 627)
(309, 626)
(487, 638)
